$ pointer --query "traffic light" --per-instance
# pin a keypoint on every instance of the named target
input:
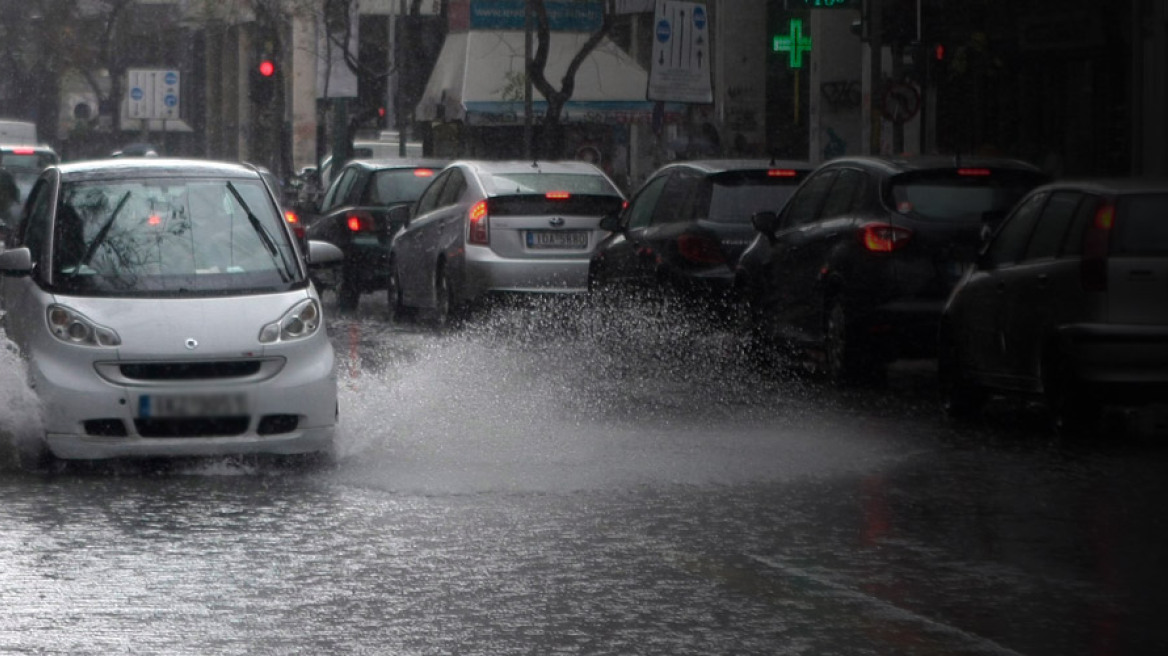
(264, 80)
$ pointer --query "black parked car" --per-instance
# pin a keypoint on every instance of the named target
(354, 215)
(858, 264)
(687, 225)
(1069, 300)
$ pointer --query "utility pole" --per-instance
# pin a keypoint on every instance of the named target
(528, 25)
(873, 109)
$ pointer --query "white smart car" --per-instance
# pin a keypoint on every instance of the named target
(164, 309)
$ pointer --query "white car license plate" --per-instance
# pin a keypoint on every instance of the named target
(577, 239)
(192, 405)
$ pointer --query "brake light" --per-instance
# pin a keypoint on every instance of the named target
(557, 195)
(423, 173)
(479, 230)
(23, 151)
(1096, 244)
(884, 237)
(154, 220)
(781, 173)
(973, 172)
(700, 249)
(360, 222)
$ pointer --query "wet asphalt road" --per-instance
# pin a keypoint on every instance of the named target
(550, 482)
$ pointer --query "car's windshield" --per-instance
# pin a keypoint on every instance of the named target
(170, 237)
(959, 194)
(400, 185)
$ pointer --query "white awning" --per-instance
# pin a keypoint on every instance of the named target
(478, 79)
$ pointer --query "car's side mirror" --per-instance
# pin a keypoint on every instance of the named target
(16, 262)
(322, 253)
(766, 223)
(399, 215)
(611, 223)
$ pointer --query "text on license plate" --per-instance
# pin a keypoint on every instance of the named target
(557, 239)
(192, 405)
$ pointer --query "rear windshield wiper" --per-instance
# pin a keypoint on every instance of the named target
(262, 231)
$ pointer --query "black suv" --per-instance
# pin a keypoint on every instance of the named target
(354, 215)
(858, 264)
(688, 224)
(1069, 300)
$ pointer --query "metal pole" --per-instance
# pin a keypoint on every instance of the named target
(528, 140)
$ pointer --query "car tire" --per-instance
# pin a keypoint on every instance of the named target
(961, 398)
(348, 294)
(1074, 414)
(394, 308)
(444, 307)
(844, 358)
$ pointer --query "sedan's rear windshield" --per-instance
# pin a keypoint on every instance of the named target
(399, 185)
(533, 183)
(959, 194)
(735, 198)
(170, 237)
(1141, 226)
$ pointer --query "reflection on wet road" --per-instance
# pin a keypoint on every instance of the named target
(547, 480)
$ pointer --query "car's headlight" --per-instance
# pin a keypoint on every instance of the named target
(301, 321)
(72, 327)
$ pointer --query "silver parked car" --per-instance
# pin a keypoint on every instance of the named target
(164, 309)
(495, 227)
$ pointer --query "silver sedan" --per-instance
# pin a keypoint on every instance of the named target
(483, 228)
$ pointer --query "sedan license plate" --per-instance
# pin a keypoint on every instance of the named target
(567, 239)
(192, 405)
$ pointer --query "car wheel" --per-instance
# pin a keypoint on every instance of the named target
(348, 294)
(844, 357)
(1074, 414)
(393, 295)
(443, 300)
(960, 397)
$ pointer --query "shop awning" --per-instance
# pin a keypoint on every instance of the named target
(478, 79)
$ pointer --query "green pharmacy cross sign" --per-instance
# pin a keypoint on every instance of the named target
(794, 43)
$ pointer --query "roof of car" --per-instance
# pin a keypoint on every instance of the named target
(380, 163)
(529, 166)
(1110, 186)
(712, 166)
(905, 163)
(153, 167)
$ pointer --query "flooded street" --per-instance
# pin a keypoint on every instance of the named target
(547, 480)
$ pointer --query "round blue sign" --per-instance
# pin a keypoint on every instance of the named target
(136, 93)
(699, 18)
(664, 31)
(172, 77)
(171, 100)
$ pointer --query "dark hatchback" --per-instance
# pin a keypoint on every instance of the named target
(1068, 301)
(687, 225)
(355, 216)
(857, 266)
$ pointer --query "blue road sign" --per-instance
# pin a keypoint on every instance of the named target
(171, 78)
(136, 93)
(664, 31)
(699, 17)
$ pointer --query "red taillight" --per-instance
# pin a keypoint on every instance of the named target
(154, 220)
(360, 222)
(973, 172)
(557, 195)
(1096, 244)
(700, 249)
(423, 173)
(781, 173)
(884, 237)
(23, 151)
(479, 230)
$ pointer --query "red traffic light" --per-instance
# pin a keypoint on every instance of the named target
(939, 52)
(267, 68)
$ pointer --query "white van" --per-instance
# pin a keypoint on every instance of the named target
(17, 132)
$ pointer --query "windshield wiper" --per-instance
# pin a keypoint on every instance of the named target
(262, 231)
(101, 235)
